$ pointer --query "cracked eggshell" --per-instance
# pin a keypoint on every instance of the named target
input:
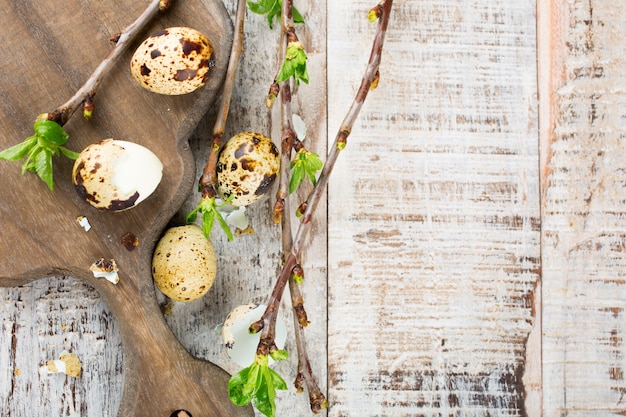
(184, 264)
(239, 344)
(115, 174)
(247, 166)
(173, 61)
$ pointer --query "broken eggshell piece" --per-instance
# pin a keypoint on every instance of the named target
(239, 344)
(116, 175)
(107, 269)
(173, 61)
(68, 364)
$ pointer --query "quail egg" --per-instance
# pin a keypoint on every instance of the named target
(173, 61)
(184, 264)
(116, 175)
(247, 166)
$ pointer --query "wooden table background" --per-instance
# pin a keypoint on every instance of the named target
(470, 259)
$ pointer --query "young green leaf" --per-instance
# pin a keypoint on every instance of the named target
(294, 64)
(257, 384)
(39, 149)
(272, 9)
(20, 150)
(305, 164)
(208, 210)
(51, 131)
(68, 153)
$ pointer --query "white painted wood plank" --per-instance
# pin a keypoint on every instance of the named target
(434, 212)
(39, 321)
(584, 222)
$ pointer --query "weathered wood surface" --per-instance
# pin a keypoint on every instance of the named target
(434, 213)
(440, 263)
(584, 221)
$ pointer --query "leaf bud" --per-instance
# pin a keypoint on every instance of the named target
(375, 81)
(301, 209)
(164, 5)
(375, 13)
(256, 327)
(298, 274)
(88, 108)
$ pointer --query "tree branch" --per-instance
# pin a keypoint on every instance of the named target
(369, 81)
(87, 92)
(208, 180)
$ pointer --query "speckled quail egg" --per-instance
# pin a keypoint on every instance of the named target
(184, 264)
(239, 344)
(246, 169)
(173, 61)
(116, 175)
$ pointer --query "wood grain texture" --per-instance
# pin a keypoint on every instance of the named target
(584, 226)
(434, 212)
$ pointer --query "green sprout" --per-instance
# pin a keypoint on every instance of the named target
(208, 209)
(294, 64)
(305, 164)
(39, 149)
(258, 384)
(272, 8)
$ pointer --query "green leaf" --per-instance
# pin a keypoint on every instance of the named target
(207, 208)
(297, 176)
(297, 16)
(236, 387)
(39, 149)
(51, 131)
(277, 380)
(305, 164)
(192, 215)
(29, 164)
(273, 9)
(294, 64)
(68, 153)
(262, 6)
(20, 150)
(43, 167)
(279, 355)
(208, 218)
(224, 225)
(257, 384)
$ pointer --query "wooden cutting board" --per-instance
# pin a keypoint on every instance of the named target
(50, 48)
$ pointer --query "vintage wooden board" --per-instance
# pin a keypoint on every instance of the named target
(52, 51)
(584, 221)
(434, 212)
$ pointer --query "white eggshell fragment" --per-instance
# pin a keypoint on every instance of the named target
(115, 174)
(246, 169)
(173, 61)
(107, 269)
(239, 344)
(184, 264)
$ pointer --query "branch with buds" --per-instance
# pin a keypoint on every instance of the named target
(50, 137)
(258, 382)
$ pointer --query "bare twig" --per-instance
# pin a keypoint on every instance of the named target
(208, 180)
(87, 92)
